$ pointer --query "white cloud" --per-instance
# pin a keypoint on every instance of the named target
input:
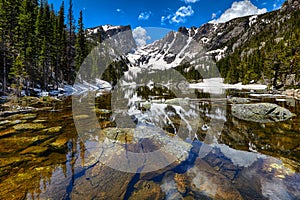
(214, 15)
(119, 10)
(239, 9)
(179, 16)
(140, 36)
(145, 15)
(190, 1)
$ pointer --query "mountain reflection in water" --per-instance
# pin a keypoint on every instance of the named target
(237, 160)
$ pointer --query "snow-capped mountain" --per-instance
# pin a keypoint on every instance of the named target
(197, 52)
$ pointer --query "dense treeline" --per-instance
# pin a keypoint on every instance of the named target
(271, 56)
(39, 47)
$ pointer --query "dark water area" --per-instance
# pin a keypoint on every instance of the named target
(101, 148)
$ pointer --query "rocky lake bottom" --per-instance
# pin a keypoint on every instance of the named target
(204, 147)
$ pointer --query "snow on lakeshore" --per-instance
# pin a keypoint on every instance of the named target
(81, 88)
(216, 86)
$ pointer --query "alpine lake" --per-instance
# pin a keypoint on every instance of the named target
(56, 148)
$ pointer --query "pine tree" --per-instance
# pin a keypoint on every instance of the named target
(24, 36)
(81, 43)
(18, 73)
(3, 41)
(70, 44)
(8, 22)
(61, 64)
(39, 39)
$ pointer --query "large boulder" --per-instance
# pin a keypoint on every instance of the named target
(261, 112)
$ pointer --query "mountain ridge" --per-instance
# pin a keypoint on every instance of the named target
(231, 46)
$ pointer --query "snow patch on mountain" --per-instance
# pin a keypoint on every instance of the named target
(220, 53)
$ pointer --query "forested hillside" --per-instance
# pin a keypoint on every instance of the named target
(39, 47)
(270, 53)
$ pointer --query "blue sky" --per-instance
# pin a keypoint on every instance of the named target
(167, 14)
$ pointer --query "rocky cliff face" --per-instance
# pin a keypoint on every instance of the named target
(103, 32)
(118, 37)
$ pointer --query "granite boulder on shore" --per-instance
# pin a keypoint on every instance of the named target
(261, 112)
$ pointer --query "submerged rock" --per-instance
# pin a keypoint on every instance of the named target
(101, 182)
(81, 117)
(123, 135)
(207, 181)
(147, 190)
(39, 121)
(6, 132)
(56, 129)
(14, 144)
(4, 122)
(28, 126)
(29, 116)
(60, 143)
(261, 112)
(17, 122)
(128, 149)
(36, 150)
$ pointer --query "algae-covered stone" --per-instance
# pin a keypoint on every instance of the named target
(60, 143)
(17, 122)
(13, 161)
(15, 144)
(79, 117)
(4, 122)
(6, 132)
(56, 129)
(28, 126)
(39, 121)
(29, 116)
(36, 150)
(261, 112)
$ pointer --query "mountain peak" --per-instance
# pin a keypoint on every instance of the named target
(108, 28)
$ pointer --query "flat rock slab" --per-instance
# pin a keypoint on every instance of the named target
(261, 112)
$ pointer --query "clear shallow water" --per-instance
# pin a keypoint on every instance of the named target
(238, 160)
